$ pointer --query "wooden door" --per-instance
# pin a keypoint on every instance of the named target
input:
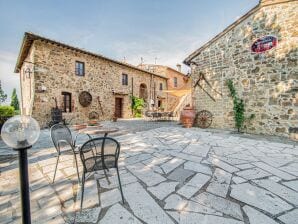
(118, 107)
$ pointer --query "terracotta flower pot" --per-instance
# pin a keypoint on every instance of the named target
(187, 116)
(79, 126)
(92, 122)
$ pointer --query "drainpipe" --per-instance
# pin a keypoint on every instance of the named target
(131, 95)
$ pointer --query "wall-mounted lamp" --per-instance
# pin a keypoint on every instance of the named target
(113, 91)
(28, 72)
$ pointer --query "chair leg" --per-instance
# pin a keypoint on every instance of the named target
(82, 190)
(56, 168)
(76, 161)
(120, 185)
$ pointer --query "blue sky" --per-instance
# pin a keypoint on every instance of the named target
(168, 30)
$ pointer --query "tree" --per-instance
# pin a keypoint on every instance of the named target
(14, 100)
(137, 106)
(3, 96)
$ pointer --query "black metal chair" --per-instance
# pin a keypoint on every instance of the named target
(100, 154)
(64, 143)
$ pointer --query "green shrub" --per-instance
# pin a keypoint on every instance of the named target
(137, 105)
(6, 111)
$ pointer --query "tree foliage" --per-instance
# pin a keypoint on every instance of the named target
(137, 105)
(14, 100)
(3, 96)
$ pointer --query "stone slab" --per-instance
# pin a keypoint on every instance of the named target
(256, 217)
(220, 182)
(88, 215)
(171, 165)
(196, 149)
(180, 175)
(260, 198)
(195, 218)
(291, 168)
(238, 180)
(292, 184)
(254, 173)
(244, 166)
(290, 217)
(196, 207)
(197, 167)
(110, 197)
(283, 175)
(175, 202)
(144, 206)
(163, 189)
(280, 190)
(220, 204)
(137, 158)
(118, 214)
(223, 165)
(145, 174)
(193, 185)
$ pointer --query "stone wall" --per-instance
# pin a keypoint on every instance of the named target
(27, 84)
(183, 82)
(268, 82)
(103, 80)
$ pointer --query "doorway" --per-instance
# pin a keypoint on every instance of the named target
(118, 107)
(143, 92)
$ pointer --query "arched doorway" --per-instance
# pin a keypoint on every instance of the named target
(143, 92)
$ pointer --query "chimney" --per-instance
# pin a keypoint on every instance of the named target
(178, 67)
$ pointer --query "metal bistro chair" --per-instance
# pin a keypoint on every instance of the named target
(64, 143)
(100, 154)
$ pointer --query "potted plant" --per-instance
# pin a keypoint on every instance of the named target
(93, 122)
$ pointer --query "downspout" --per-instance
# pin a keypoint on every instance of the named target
(131, 96)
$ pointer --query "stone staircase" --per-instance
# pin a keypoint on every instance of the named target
(184, 100)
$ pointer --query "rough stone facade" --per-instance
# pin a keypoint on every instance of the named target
(183, 81)
(53, 72)
(267, 82)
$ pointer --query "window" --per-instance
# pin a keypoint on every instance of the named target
(66, 102)
(160, 86)
(80, 68)
(175, 82)
(159, 103)
(124, 79)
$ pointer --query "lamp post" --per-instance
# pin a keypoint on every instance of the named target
(20, 133)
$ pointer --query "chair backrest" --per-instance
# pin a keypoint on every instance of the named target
(98, 150)
(60, 132)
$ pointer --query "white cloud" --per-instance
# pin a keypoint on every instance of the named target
(168, 51)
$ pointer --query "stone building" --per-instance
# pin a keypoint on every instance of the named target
(179, 86)
(267, 80)
(84, 84)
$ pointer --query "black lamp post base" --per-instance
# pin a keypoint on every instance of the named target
(24, 184)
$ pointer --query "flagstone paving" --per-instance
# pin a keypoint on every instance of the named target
(169, 175)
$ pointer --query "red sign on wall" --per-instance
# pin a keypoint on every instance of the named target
(264, 44)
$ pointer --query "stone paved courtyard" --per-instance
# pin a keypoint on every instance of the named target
(169, 175)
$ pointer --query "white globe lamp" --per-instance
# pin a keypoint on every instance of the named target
(20, 133)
